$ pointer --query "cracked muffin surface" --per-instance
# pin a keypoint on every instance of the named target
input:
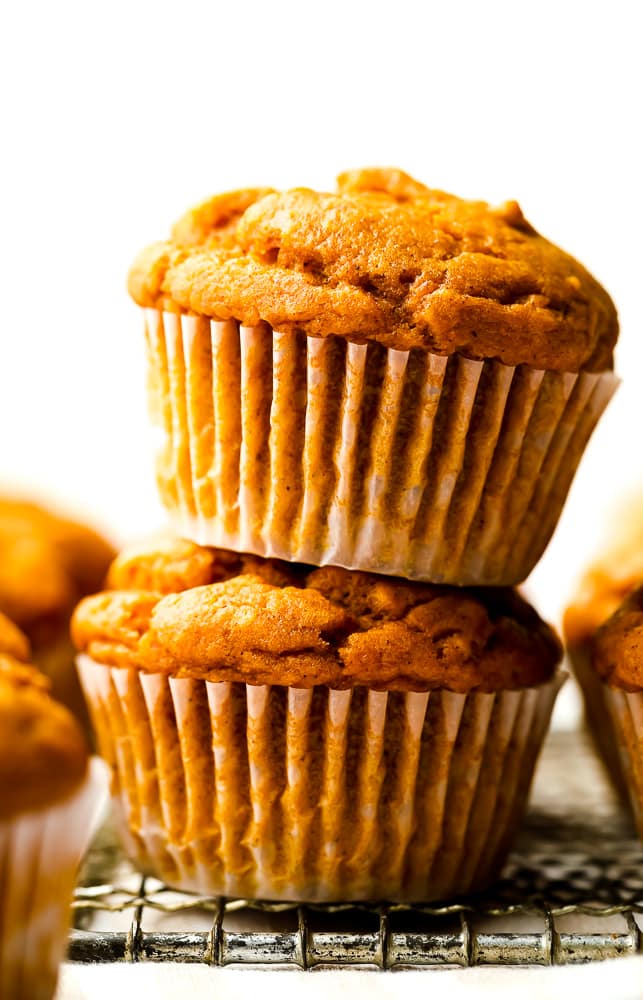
(192, 611)
(386, 259)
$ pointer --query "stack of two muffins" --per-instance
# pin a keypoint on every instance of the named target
(394, 386)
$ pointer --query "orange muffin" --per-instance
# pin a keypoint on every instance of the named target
(47, 564)
(612, 680)
(49, 801)
(284, 732)
(388, 378)
(613, 575)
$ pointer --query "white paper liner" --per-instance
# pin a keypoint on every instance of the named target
(322, 451)
(40, 853)
(316, 794)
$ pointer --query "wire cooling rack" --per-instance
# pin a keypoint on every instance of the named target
(572, 891)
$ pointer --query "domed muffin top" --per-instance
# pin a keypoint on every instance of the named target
(191, 611)
(43, 753)
(386, 259)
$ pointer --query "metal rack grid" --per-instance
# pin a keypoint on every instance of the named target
(572, 892)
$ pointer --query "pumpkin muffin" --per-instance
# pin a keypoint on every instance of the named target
(284, 732)
(49, 800)
(47, 563)
(612, 680)
(387, 378)
(615, 572)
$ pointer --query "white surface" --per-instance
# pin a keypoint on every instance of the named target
(617, 980)
(116, 117)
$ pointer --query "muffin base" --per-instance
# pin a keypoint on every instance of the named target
(316, 794)
(40, 853)
(323, 451)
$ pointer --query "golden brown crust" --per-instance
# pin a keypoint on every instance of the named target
(618, 645)
(43, 753)
(384, 259)
(174, 564)
(282, 624)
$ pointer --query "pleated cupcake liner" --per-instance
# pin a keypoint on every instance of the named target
(323, 451)
(40, 853)
(616, 720)
(316, 794)
(598, 720)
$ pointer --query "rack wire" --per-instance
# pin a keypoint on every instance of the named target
(572, 891)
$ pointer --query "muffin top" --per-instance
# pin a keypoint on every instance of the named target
(43, 754)
(47, 564)
(198, 612)
(385, 259)
(618, 645)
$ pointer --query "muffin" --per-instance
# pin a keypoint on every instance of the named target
(284, 732)
(614, 574)
(50, 797)
(47, 564)
(611, 675)
(388, 378)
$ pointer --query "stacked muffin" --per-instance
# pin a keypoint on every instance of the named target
(372, 404)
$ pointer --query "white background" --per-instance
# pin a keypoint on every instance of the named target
(118, 116)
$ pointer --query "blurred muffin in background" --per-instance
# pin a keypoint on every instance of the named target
(50, 798)
(614, 572)
(599, 603)
(47, 564)
(611, 676)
